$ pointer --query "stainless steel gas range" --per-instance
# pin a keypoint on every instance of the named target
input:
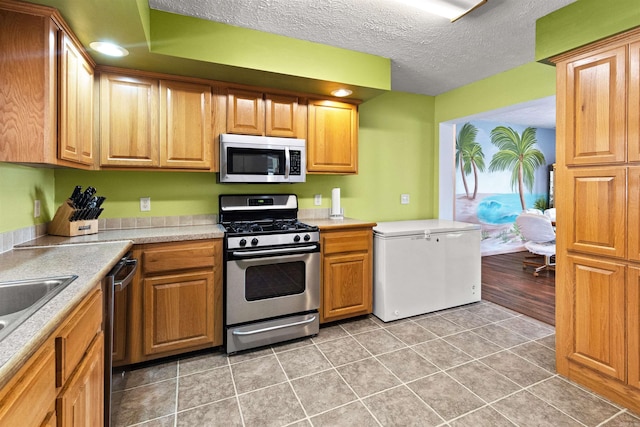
(272, 274)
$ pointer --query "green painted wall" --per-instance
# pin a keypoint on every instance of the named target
(184, 37)
(583, 22)
(395, 153)
(525, 83)
(20, 186)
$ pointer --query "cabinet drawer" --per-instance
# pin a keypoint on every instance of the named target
(30, 395)
(346, 241)
(75, 336)
(173, 257)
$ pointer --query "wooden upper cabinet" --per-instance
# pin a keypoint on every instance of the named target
(281, 115)
(332, 143)
(259, 113)
(633, 114)
(593, 94)
(596, 211)
(128, 121)
(75, 138)
(186, 136)
(245, 112)
(598, 318)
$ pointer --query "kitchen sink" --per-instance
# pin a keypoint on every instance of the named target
(21, 298)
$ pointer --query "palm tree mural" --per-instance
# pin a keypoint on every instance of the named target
(516, 153)
(473, 155)
(465, 138)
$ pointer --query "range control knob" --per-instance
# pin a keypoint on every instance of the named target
(307, 237)
(243, 242)
(254, 241)
(296, 238)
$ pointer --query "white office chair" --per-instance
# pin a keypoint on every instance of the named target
(551, 214)
(540, 239)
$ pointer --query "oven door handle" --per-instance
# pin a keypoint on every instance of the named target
(273, 328)
(275, 251)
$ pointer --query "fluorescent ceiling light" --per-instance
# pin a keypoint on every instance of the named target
(450, 9)
(110, 49)
(341, 92)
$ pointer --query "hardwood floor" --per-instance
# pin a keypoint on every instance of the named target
(506, 283)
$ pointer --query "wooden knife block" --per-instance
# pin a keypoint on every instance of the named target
(61, 226)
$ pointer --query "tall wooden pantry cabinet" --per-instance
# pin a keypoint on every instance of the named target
(598, 220)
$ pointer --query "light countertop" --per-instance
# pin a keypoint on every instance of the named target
(330, 224)
(90, 258)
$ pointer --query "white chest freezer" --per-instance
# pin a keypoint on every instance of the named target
(423, 266)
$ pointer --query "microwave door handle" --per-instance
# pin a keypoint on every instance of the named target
(287, 162)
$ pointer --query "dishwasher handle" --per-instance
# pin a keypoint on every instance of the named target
(132, 265)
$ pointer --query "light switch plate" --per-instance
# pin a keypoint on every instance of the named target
(36, 208)
(404, 199)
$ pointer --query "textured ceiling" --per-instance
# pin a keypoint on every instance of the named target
(429, 54)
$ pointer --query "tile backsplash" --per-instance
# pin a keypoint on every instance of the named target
(10, 239)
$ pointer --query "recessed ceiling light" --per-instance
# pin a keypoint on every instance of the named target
(450, 9)
(341, 92)
(110, 49)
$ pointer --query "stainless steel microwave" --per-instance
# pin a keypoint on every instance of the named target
(255, 159)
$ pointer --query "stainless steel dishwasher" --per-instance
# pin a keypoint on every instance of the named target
(116, 281)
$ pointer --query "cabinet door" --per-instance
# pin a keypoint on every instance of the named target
(178, 312)
(345, 291)
(281, 112)
(596, 210)
(128, 121)
(186, 137)
(81, 403)
(28, 398)
(633, 114)
(27, 88)
(332, 144)
(245, 112)
(594, 119)
(633, 206)
(633, 327)
(75, 141)
(598, 314)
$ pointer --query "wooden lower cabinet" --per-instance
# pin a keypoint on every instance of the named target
(27, 400)
(633, 327)
(174, 301)
(62, 383)
(82, 399)
(178, 312)
(347, 283)
(598, 292)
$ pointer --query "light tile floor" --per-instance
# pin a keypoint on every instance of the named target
(476, 365)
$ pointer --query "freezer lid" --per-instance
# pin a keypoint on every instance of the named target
(414, 227)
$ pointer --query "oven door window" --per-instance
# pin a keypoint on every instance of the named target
(252, 161)
(274, 280)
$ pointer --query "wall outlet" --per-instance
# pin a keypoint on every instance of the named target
(404, 199)
(145, 204)
(36, 208)
(317, 200)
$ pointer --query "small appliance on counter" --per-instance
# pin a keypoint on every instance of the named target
(78, 215)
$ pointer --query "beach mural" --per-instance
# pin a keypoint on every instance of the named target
(501, 170)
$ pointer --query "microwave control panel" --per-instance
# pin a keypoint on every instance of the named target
(295, 162)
